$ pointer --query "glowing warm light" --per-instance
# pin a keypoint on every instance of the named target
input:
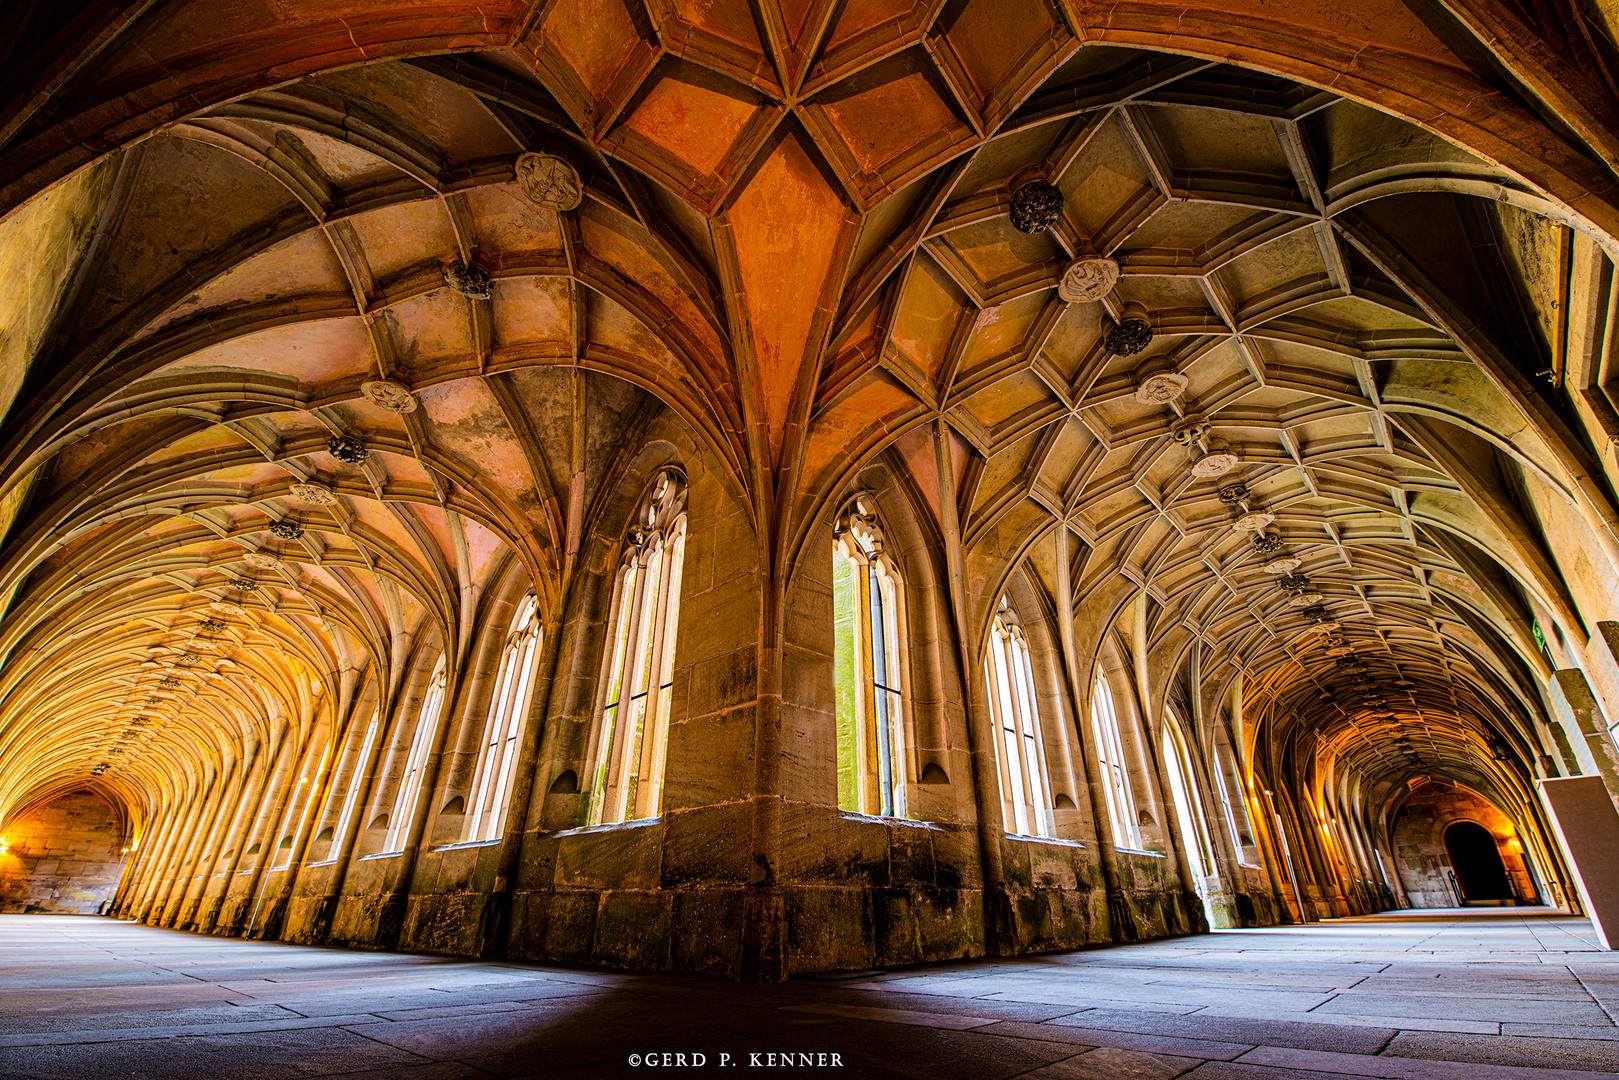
(4, 847)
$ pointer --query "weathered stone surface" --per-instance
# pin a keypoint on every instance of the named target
(272, 496)
(64, 857)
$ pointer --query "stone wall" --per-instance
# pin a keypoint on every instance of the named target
(64, 859)
(752, 870)
(1419, 844)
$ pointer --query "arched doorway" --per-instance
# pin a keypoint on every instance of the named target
(1480, 874)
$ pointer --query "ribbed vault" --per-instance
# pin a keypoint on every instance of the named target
(276, 431)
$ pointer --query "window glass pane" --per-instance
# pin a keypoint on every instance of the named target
(867, 672)
(1180, 791)
(356, 782)
(626, 606)
(671, 605)
(490, 786)
(515, 709)
(633, 746)
(421, 744)
(1034, 753)
(654, 748)
(492, 721)
(846, 680)
(644, 632)
(1009, 752)
(879, 668)
(1121, 807)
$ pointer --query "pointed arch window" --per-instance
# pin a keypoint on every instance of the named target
(1188, 804)
(1227, 778)
(421, 744)
(356, 782)
(1009, 676)
(1121, 805)
(868, 665)
(497, 760)
(640, 659)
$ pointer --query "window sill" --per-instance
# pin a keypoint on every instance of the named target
(466, 844)
(323, 862)
(1141, 851)
(1059, 841)
(851, 815)
(380, 855)
(611, 826)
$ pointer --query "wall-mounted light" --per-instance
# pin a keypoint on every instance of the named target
(4, 847)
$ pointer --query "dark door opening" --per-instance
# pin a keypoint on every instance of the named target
(1479, 870)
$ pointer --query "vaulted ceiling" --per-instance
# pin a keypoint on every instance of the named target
(795, 233)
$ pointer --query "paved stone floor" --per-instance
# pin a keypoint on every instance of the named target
(1503, 995)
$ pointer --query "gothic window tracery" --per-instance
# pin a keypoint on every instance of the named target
(356, 781)
(1009, 675)
(497, 760)
(1121, 805)
(1228, 781)
(640, 659)
(869, 665)
(1183, 788)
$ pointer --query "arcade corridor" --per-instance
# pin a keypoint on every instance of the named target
(1441, 995)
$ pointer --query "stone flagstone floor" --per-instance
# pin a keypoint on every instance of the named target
(1449, 995)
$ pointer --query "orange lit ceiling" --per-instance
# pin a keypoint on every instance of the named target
(795, 236)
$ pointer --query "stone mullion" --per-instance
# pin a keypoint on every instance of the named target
(134, 875)
(1553, 861)
(1389, 872)
(1306, 888)
(155, 905)
(627, 640)
(168, 837)
(1352, 860)
(1368, 857)
(1305, 871)
(1330, 844)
